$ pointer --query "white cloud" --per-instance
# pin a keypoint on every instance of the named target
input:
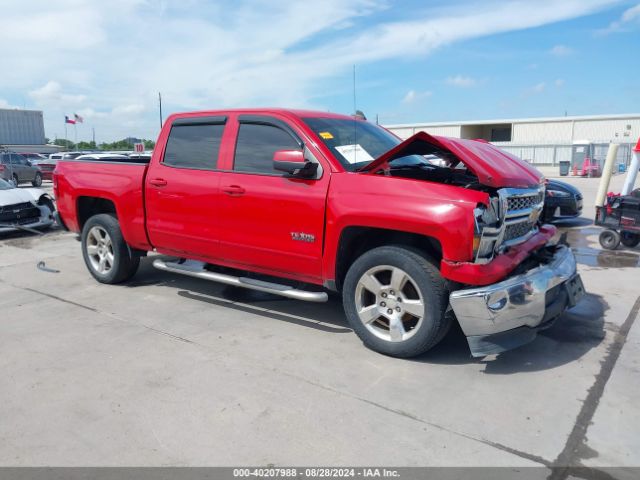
(131, 109)
(559, 82)
(5, 104)
(628, 17)
(412, 96)
(52, 92)
(461, 81)
(561, 51)
(108, 56)
(535, 89)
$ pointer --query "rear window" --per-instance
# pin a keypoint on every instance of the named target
(193, 146)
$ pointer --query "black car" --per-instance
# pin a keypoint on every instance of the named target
(561, 201)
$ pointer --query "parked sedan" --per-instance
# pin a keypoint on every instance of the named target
(561, 201)
(24, 208)
(18, 169)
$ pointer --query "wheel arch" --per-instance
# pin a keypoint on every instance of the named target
(87, 207)
(356, 240)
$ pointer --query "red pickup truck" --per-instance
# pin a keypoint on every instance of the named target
(415, 234)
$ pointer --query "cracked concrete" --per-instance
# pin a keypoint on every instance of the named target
(169, 370)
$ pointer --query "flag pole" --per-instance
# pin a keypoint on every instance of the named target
(66, 142)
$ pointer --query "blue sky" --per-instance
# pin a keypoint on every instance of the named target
(415, 60)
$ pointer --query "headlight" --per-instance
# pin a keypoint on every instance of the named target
(558, 193)
(486, 221)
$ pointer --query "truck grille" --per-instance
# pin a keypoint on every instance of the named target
(529, 201)
(519, 221)
(19, 213)
(517, 230)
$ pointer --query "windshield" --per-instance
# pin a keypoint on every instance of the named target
(4, 185)
(356, 143)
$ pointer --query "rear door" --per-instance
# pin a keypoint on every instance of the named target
(269, 221)
(19, 165)
(182, 190)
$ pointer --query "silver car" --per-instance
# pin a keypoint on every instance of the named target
(18, 169)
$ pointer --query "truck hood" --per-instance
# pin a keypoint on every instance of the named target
(493, 166)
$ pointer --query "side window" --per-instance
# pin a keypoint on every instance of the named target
(256, 145)
(193, 146)
(15, 159)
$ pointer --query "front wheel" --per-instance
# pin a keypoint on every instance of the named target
(106, 254)
(609, 239)
(395, 301)
(630, 239)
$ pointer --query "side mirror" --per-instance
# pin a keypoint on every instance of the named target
(294, 163)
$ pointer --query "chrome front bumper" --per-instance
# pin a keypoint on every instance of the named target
(507, 314)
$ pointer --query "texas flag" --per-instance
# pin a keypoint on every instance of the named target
(69, 120)
(78, 118)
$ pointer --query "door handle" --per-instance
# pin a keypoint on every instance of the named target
(158, 182)
(233, 190)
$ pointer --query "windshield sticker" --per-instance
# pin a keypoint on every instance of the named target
(354, 153)
(326, 135)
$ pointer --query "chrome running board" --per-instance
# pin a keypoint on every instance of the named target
(195, 269)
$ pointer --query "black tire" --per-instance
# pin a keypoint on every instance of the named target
(15, 180)
(37, 180)
(125, 260)
(424, 276)
(630, 239)
(609, 239)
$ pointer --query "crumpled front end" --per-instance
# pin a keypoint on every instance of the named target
(25, 215)
(508, 314)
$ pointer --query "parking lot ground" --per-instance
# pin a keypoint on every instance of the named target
(168, 370)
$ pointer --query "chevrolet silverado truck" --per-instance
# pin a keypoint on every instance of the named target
(414, 234)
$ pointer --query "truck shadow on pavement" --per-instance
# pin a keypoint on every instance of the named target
(572, 335)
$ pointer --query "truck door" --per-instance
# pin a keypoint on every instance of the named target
(270, 221)
(182, 190)
(19, 166)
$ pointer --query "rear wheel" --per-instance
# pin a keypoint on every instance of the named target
(37, 180)
(395, 301)
(15, 180)
(609, 239)
(630, 239)
(106, 254)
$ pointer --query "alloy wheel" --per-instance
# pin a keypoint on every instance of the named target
(389, 303)
(100, 250)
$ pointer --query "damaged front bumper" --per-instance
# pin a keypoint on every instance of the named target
(509, 313)
(45, 220)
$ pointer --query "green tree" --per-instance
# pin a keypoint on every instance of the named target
(86, 145)
(62, 142)
(149, 144)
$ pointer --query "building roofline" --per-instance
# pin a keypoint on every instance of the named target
(19, 110)
(516, 120)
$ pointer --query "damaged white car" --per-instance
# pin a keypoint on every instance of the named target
(24, 208)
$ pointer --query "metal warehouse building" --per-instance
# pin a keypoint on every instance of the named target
(543, 141)
(23, 131)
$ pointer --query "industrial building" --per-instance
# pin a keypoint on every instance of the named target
(543, 141)
(23, 131)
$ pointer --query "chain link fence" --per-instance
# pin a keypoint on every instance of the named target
(551, 155)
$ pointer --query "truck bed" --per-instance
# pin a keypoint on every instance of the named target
(118, 182)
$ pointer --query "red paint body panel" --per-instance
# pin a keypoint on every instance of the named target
(414, 206)
(292, 227)
(119, 183)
